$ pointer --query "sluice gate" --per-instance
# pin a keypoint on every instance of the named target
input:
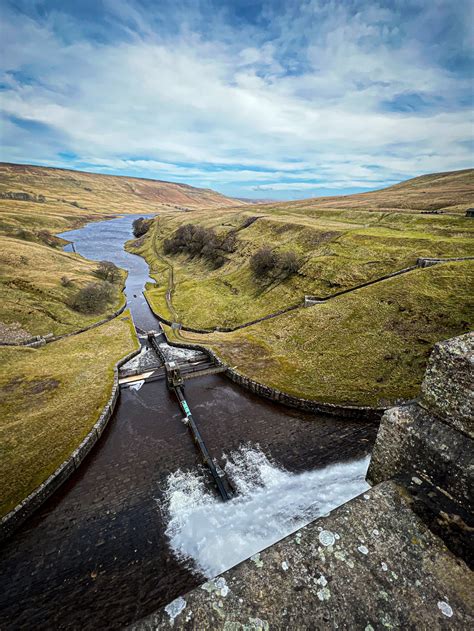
(176, 374)
(175, 382)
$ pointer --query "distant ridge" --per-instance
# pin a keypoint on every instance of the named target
(88, 188)
(450, 191)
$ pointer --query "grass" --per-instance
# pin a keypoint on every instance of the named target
(339, 248)
(45, 413)
(365, 348)
(33, 296)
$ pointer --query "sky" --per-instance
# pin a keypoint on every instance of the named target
(264, 100)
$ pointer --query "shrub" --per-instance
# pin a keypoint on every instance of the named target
(289, 263)
(201, 242)
(93, 298)
(108, 271)
(263, 262)
(66, 282)
(141, 226)
(266, 263)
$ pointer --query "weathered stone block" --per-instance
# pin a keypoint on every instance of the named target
(448, 386)
(410, 443)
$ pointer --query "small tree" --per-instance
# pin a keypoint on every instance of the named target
(141, 226)
(263, 262)
(289, 263)
(108, 271)
(93, 298)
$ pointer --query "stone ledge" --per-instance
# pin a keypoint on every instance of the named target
(376, 566)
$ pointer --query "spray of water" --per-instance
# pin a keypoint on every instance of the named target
(213, 536)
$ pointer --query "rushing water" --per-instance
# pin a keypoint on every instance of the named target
(271, 503)
(139, 523)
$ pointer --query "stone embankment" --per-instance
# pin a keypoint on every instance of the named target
(395, 557)
(358, 412)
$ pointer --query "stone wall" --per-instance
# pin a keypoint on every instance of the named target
(428, 262)
(395, 557)
(27, 507)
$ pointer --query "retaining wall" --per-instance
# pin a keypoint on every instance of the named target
(22, 511)
(428, 262)
(308, 405)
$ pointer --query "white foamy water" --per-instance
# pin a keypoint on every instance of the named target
(271, 504)
(172, 352)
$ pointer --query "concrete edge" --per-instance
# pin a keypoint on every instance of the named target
(267, 392)
(13, 519)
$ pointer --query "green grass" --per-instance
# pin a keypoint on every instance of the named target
(338, 252)
(51, 397)
(367, 348)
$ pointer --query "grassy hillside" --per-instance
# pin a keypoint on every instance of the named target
(45, 414)
(338, 249)
(35, 203)
(367, 347)
(34, 298)
(58, 199)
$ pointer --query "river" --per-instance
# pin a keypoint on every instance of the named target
(139, 523)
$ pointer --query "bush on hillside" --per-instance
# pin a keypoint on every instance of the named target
(266, 263)
(141, 226)
(93, 298)
(289, 263)
(263, 262)
(108, 271)
(66, 281)
(198, 241)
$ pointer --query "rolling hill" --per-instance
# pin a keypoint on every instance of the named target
(364, 347)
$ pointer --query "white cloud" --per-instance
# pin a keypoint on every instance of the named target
(152, 106)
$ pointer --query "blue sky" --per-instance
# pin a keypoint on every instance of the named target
(277, 100)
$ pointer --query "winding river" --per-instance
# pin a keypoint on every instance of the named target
(139, 524)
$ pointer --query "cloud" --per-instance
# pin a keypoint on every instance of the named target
(332, 95)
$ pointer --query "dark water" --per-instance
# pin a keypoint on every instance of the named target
(96, 555)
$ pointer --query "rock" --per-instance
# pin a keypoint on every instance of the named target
(448, 386)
